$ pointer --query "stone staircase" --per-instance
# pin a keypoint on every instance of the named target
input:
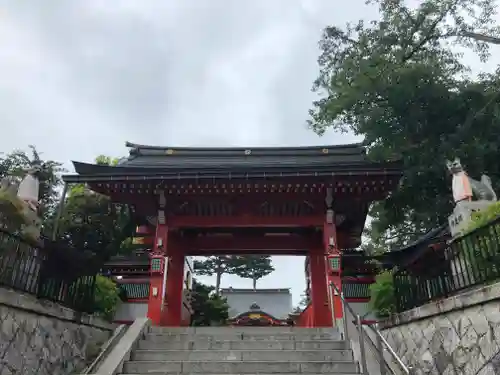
(225, 350)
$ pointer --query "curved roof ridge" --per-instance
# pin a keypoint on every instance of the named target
(241, 148)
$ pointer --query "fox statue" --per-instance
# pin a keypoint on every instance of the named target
(464, 187)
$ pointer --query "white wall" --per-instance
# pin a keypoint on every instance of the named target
(188, 270)
(363, 309)
(278, 305)
(131, 311)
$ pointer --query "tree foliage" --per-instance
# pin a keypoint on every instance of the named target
(14, 215)
(90, 221)
(382, 294)
(106, 297)
(254, 267)
(398, 83)
(16, 163)
(303, 303)
(12, 218)
(217, 265)
(208, 307)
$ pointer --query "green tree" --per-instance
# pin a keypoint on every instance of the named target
(217, 265)
(106, 297)
(14, 166)
(208, 307)
(382, 294)
(16, 163)
(397, 83)
(106, 160)
(305, 300)
(297, 309)
(303, 303)
(253, 267)
(90, 221)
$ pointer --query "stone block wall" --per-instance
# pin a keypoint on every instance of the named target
(455, 336)
(42, 338)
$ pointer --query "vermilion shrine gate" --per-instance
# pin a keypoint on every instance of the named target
(310, 201)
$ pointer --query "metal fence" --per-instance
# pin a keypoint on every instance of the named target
(50, 271)
(466, 262)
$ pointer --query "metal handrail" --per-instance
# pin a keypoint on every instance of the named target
(389, 348)
(362, 341)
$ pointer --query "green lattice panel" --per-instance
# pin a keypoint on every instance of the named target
(156, 265)
(352, 290)
(335, 264)
(136, 290)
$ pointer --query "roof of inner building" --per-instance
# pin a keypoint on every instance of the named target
(430, 237)
(189, 162)
(139, 258)
(356, 259)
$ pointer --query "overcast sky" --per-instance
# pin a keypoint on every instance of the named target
(79, 78)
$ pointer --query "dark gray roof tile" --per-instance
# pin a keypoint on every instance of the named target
(151, 159)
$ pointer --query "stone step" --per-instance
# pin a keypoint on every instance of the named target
(226, 330)
(149, 344)
(238, 367)
(189, 373)
(254, 336)
(242, 355)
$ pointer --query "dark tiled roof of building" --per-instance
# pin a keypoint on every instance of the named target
(427, 239)
(174, 160)
(139, 258)
(353, 260)
(135, 290)
(355, 290)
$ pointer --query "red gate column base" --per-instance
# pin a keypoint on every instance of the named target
(175, 280)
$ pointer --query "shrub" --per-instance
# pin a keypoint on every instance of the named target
(481, 251)
(383, 300)
(484, 217)
(16, 218)
(208, 307)
(106, 297)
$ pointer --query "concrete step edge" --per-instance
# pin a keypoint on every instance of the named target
(270, 340)
(239, 338)
(245, 361)
(258, 334)
(243, 334)
(240, 350)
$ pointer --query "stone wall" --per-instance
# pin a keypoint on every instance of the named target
(458, 335)
(42, 338)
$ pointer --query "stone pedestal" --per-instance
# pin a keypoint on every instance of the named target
(461, 217)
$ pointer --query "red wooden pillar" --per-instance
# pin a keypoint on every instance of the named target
(333, 267)
(175, 287)
(319, 284)
(157, 273)
(330, 241)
